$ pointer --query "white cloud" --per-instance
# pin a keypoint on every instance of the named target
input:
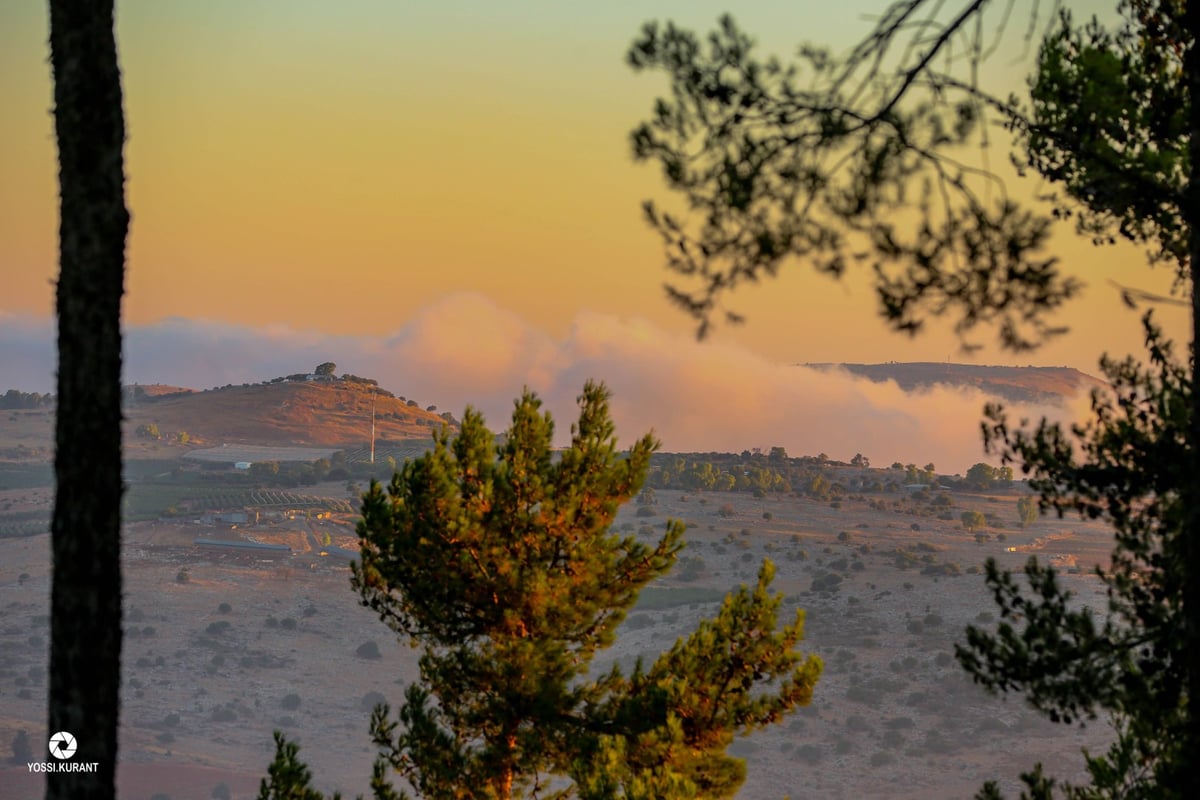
(464, 349)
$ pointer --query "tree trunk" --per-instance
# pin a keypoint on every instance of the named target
(85, 631)
(1188, 783)
(507, 770)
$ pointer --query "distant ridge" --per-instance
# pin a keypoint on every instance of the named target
(1016, 384)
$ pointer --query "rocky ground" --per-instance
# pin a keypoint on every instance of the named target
(224, 647)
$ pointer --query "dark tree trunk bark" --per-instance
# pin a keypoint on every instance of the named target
(85, 630)
(1188, 783)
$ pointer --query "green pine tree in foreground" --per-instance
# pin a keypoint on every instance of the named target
(498, 562)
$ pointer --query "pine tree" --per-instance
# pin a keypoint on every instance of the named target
(811, 162)
(498, 562)
(1129, 661)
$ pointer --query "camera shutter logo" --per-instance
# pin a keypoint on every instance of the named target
(63, 745)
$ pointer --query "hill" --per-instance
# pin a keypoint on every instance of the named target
(330, 413)
(1016, 384)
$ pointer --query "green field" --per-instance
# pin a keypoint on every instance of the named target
(25, 523)
(146, 501)
(654, 598)
(19, 475)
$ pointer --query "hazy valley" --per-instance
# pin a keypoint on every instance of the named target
(240, 619)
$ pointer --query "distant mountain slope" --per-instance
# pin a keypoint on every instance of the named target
(326, 413)
(1015, 384)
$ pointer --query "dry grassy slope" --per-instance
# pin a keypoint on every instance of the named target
(1017, 384)
(327, 414)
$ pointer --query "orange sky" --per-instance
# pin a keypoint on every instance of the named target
(340, 170)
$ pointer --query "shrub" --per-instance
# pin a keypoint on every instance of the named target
(767, 515)
(645, 511)
(856, 723)
(182, 576)
(22, 751)
(218, 627)
(221, 792)
(828, 582)
(290, 702)
(368, 650)
(726, 510)
(809, 753)
(224, 608)
(372, 699)
(224, 715)
(288, 624)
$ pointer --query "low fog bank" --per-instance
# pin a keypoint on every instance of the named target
(464, 350)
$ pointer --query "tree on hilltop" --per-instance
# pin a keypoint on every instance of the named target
(499, 563)
(327, 369)
(981, 475)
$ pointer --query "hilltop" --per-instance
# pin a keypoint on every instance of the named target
(1016, 384)
(327, 412)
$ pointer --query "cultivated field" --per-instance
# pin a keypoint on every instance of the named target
(233, 453)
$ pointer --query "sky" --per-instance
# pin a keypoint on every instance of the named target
(307, 176)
